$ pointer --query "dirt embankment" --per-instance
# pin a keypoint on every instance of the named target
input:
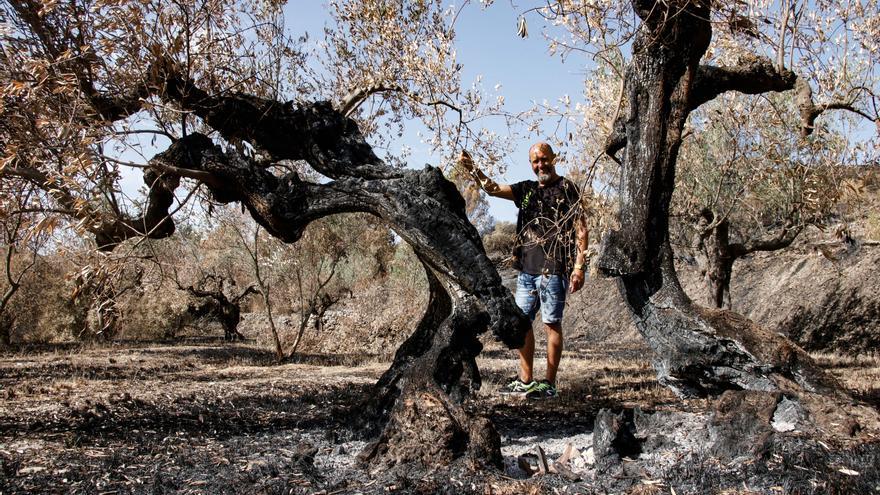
(823, 303)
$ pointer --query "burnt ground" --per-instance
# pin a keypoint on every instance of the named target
(223, 418)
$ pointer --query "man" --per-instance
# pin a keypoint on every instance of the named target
(550, 252)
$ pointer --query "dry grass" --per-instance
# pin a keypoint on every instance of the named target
(588, 376)
(860, 374)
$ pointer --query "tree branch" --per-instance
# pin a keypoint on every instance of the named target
(810, 111)
(251, 289)
(616, 140)
(353, 99)
(315, 132)
(781, 240)
(110, 230)
(284, 205)
(753, 76)
(56, 39)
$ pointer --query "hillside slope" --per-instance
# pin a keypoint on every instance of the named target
(824, 304)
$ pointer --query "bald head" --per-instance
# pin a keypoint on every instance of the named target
(543, 160)
(541, 146)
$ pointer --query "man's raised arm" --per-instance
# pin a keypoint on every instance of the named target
(491, 187)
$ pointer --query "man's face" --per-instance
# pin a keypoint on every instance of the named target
(542, 161)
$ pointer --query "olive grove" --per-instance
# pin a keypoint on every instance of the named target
(240, 106)
(242, 112)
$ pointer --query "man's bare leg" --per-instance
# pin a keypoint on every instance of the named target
(527, 358)
(554, 349)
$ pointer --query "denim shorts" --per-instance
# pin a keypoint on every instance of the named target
(550, 290)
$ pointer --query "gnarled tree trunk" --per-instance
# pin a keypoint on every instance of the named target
(715, 262)
(699, 351)
(432, 372)
(759, 374)
(212, 301)
(417, 402)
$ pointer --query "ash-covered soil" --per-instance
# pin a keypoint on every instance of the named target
(223, 418)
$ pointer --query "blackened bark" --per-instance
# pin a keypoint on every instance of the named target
(698, 351)
(153, 223)
(435, 369)
(5, 331)
(753, 75)
(432, 372)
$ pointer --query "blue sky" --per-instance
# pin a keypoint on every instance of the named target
(487, 45)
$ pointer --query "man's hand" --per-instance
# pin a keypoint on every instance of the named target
(577, 280)
(485, 183)
(465, 160)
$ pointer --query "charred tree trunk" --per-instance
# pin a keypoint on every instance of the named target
(5, 330)
(432, 372)
(699, 351)
(324, 303)
(435, 369)
(6, 319)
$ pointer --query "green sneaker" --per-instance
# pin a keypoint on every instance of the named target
(517, 386)
(542, 390)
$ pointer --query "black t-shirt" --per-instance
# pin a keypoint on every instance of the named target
(545, 240)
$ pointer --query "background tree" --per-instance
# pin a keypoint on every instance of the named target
(500, 241)
(212, 290)
(313, 271)
(22, 244)
(747, 182)
(213, 302)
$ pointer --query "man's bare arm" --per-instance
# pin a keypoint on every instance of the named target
(491, 187)
(582, 233)
(582, 242)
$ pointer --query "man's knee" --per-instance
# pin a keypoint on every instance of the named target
(554, 330)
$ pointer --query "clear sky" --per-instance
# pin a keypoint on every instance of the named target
(487, 45)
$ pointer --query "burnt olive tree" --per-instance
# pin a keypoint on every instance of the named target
(79, 74)
(699, 350)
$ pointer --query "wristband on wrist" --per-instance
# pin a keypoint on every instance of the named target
(488, 184)
(579, 267)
